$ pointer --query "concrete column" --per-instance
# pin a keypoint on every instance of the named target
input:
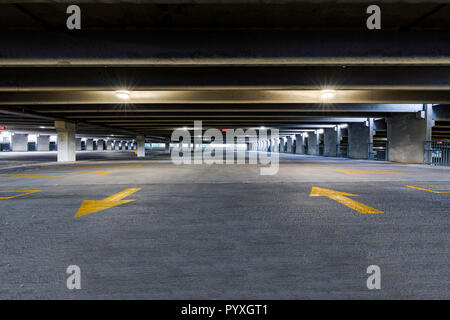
(109, 145)
(313, 143)
(300, 144)
(167, 146)
(19, 142)
(330, 141)
(359, 137)
(277, 145)
(140, 146)
(66, 140)
(78, 144)
(89, 144)
(43, 143)
(406, 134)
(100, 145)
(289, 145)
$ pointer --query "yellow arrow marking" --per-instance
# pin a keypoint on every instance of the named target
(341, 197)
(21, 193)
(91, 206)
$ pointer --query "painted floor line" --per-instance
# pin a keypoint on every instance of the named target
(21, 193)
(369, 171)
(54, 175)
(425, 186)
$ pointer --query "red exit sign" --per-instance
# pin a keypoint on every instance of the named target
(2, 128)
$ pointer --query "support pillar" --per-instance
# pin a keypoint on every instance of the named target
(43, 143)
(300, 144)
(66, 140)
(359, 137)
(89, 144)
(109, 145)
(19, 142)
(167, 146)
(289, 145)
(100, 145)
(313, 143)
(78, 144)
(330, 141)
(140, 140)
(406, 135)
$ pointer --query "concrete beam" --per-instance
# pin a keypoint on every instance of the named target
(213, 78)
(237, 47)
(224, 97)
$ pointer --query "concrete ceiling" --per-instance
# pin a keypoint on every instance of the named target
(228, 63)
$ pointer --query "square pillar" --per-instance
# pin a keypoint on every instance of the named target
(43, 142)
(140, 146)
(66, 140)
(19, 142)
(313, 143)
(109, 145)
(300, 144)
(167, 146)
(89, 144)
(406, 134)
(78, 144)
(100, 145)
(359, 137)
(330, 142)
(289, 148)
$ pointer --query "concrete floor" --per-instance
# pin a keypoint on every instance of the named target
(222, 231)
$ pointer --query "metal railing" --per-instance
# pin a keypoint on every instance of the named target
(342, 150)
(379, 150)
(437, 152)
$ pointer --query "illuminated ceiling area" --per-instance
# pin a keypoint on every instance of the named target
(148, 69)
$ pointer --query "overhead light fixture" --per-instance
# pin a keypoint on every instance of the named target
(123, 94)
(327, 94)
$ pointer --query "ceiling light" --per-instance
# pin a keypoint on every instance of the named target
(327, 94)
(123, 94)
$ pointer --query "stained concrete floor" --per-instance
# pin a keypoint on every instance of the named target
(222, 231)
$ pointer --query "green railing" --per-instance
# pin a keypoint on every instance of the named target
(379, 150)
(437, 152)
(342, 150)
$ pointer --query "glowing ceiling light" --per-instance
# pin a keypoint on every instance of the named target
(123, 94)
(327, 94)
